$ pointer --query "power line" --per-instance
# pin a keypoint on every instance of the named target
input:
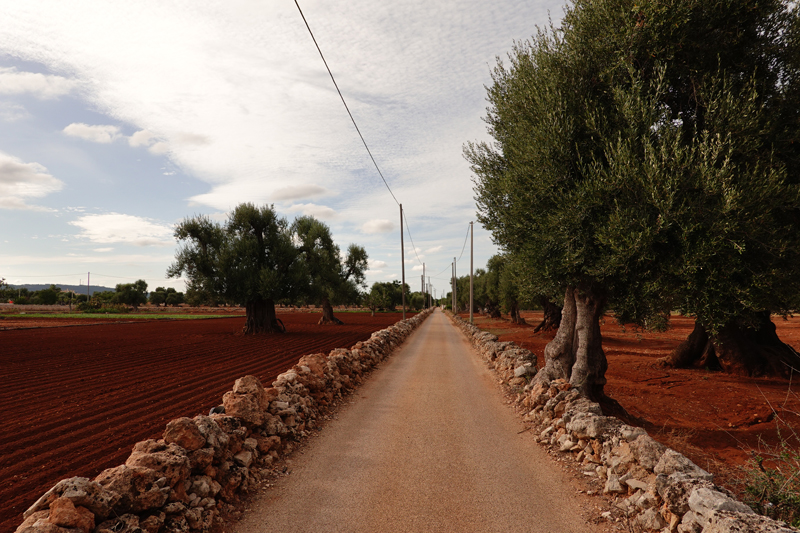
(413, 247)
(465, 245)
(345, 103)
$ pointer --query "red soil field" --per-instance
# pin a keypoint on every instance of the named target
(715, 419)
(76, 399)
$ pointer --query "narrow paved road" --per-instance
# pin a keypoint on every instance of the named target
(425, 446)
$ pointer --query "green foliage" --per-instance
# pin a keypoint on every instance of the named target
(88, 307)
(385, 295)
(648, 153)
(47, 296)
(133, 294)
(327, 273)
(167, 296)
(257, 255)
(772, 481)
(96, 307)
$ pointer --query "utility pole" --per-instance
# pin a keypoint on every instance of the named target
(455, 285)
(424, 300)
(470, 272)
(403, 261)
(430, 301)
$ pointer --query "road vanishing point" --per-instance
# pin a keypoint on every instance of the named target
(426, 444)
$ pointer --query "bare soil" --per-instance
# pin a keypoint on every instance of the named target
(715, 419)
(76, 399)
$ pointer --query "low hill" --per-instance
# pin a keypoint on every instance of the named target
(79, 289)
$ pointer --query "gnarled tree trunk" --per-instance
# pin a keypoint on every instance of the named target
(737, 349)
(261, 318)
(516, 318)
(492, 309)
(576, 353)
(327, 314)
(552, 316)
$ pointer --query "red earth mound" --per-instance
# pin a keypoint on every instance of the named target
(715, 419)
(76, 399)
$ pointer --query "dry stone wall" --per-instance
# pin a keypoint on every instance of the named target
(182, 482)
(657, 488)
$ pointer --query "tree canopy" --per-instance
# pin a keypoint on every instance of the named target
(645, 158)
(133, 294)
(257, 259)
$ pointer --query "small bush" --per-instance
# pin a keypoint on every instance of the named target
(88, 307)
(98, 308)
(772, 481)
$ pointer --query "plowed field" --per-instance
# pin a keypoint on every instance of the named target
(74, 400)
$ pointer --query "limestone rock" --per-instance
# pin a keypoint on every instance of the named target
(734, 522)
(127, 523)
(244, 458)
(171, 461)
(64, 513)
(672, 462)
(140, 488)
(704, 502)
(212, 432)
(245, 407)
(81, 492)
(613, 485)
(651, 520)
(591, 426)
(185, 433)
(647, 451)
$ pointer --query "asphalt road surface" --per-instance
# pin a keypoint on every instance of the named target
(426, 445)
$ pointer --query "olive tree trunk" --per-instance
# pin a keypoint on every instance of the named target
(552, 316)
(576, 353)
(516, 318)
(327, 314)
(737, 349)
(261, 317)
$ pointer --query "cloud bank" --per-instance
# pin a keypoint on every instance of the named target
(20, 181)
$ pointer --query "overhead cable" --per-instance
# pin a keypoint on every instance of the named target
(343, 101)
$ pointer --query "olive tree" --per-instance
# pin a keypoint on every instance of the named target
(627, 145)
(250, 260)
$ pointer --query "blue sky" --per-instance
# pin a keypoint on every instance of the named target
(118, 120)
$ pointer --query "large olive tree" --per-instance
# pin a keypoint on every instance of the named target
(624, 167)
(330, 276)
(250, 260)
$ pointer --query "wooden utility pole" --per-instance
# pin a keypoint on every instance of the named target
(470, 273)
(455, 285)
(403, 261)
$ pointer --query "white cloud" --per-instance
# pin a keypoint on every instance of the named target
(100, 134)
(45, 86)
(159, 148)
(11, 112)
(141, 138)
(20, 181)
(391, 276)
(127, 229)
(314, 210)
(377, 226)
(434, 249)
(299, 192)
(417, 268)
(191, 139)
(377, 264)
(103, 250)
